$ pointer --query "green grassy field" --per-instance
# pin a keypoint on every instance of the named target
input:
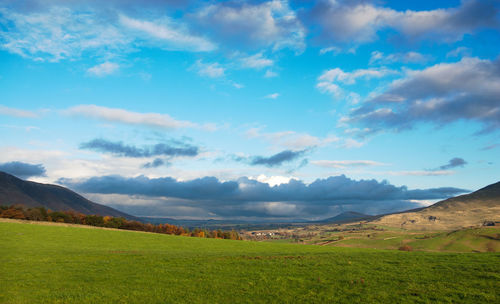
(55, 264)
(485, 239)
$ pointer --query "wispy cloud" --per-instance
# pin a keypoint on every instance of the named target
(103, 69)
(378, 57)
(340, 164)
(212, 70)
(169, 149)
(17, 112)
(453, 163)
(169, 34)
(272, 96)
(275, 160)
(290, 139)
(257, 61)
(164, 121)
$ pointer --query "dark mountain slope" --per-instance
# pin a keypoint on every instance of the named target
(15, 191)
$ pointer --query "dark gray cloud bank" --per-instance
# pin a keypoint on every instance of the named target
(245, 197)
(23, 170)
(170, 149)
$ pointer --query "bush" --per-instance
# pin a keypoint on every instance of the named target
(405, 248)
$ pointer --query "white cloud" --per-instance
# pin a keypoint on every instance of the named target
(421, 173)
(409, 57)
(167, 32)
(339, 75)
(244, 24)
(127, 117)
(273, 180)
(330, 81)
(291, 139)
(360, 21)
(270, 74)
(272, 96)
(332, 49)
(103, 69)
(257, 61)
(17, 112)
(339, 164)
(212, 70)
(60, 33)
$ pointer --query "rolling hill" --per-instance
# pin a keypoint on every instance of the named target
(15, 191)
(467, 210)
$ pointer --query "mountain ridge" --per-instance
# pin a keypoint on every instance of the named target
(15, 191)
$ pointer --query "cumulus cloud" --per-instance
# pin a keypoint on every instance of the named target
(253, 25)
(23, 170)
(248, 197)
(171, 149)
(163, 121)
(16, 112)
(103, 69)
(440, 94)
(360, 21)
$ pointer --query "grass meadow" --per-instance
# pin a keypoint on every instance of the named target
(57, 264)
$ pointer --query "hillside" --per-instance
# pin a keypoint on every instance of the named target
(55, 264)
(347, 216)
(467, 210)
(15, 191)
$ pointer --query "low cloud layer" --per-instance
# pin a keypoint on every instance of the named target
(247, 197)
(172, 149)
(23, 170)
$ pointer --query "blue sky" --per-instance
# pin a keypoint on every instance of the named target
(252, 110)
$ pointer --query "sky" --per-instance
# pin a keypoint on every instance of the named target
(252, 110)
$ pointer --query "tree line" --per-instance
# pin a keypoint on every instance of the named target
(73, 217)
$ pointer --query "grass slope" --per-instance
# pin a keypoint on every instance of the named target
(55, 264)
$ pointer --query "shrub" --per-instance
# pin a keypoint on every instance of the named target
(405, 248)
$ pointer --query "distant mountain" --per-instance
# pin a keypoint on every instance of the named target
(347, 216)
(15, 191)
(458, 212)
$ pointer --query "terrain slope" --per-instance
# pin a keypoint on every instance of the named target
(15, 191)
(474, 209)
